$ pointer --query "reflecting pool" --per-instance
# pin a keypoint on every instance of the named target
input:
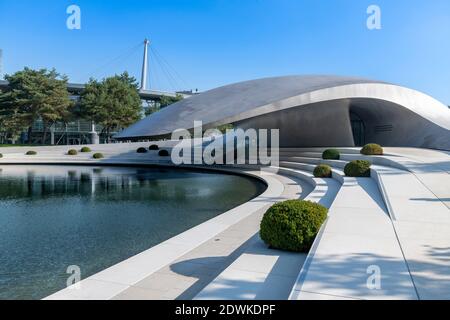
(53, 217)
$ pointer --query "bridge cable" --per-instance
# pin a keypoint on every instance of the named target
(122, 57)
(171, 80)
(172, 68)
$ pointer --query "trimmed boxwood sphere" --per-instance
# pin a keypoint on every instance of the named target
(85, 149)
(323, 171)
(372, 149)
(358, 168)
(331, 154)
(141, 150)
(163, 153)
(31, 153)
(72, 152)
(292, 225)
(98, 156)
(153, 147)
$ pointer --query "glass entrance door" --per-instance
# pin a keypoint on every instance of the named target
(358, 129)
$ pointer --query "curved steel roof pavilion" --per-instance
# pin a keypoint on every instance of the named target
(311, 111)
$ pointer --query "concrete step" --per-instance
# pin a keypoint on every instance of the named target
(347, 150)
(324, 191)
(336, 173)
(268, 272)
(317, 155)
(357, 237)
(334, 163)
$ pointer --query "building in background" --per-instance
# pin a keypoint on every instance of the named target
(82, 131)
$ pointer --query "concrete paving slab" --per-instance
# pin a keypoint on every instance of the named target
(136, 293)
(357, 236)
(89, 289)
(247, 285)
(191, 273)
(418, 198)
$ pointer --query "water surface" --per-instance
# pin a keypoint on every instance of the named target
(53, 217)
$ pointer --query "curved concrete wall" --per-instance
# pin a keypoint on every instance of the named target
(315, 125)
(328, 123)
(311, 111)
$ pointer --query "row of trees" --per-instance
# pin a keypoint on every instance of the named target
(113, 102)
(33, 95)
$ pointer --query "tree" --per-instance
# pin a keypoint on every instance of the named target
(11, 127)
(164, 102)
(34, 95)
(113, 102)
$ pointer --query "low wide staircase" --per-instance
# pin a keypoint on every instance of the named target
(357, 241)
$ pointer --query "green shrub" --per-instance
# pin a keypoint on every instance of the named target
(163, 153)
(72, 152)
(331, 154)
(141, 150)
(372, 149)
(358, 168)
(31, 153)
(85, 149)
(292, 225)
(98, 156)
(1, 155)
(322, 171)
(153, 147)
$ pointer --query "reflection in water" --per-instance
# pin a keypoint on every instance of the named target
(93, 184)
(55, 216)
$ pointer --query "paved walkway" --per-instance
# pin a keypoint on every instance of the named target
(358, 235)
(420, 203)
(260, 272)
(417, 202)
(429, 167)
(187, 276)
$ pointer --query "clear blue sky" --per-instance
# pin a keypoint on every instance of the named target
(211, 43)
